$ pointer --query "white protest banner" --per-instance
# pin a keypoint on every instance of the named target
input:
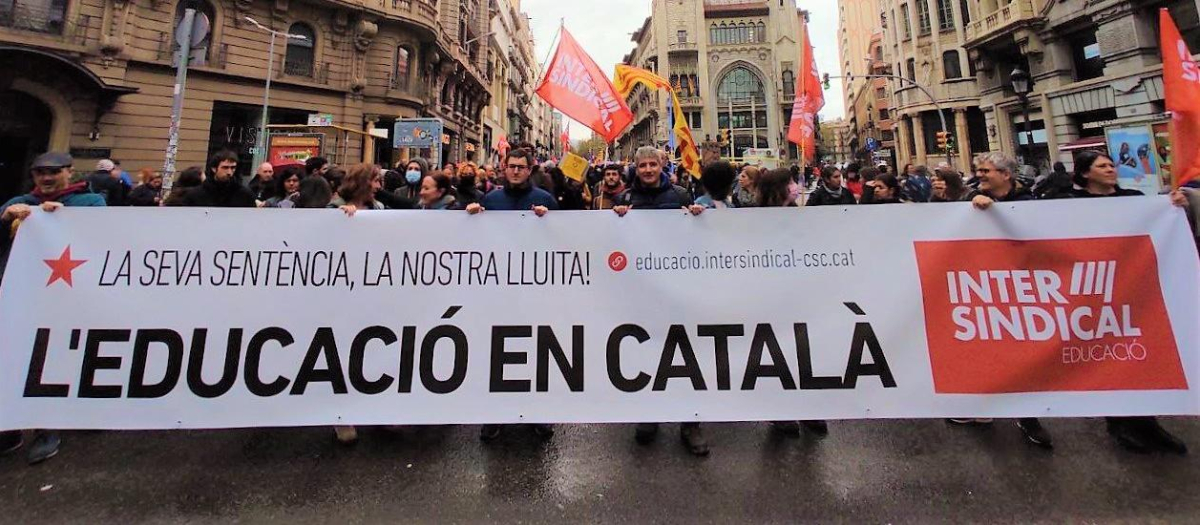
(130, 318)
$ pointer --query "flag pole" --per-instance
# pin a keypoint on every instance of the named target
(562, 23)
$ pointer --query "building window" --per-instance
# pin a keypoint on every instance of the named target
(712, 34)
(907, 21)
(741, 86)
(400, 81)
(789, 83)
(923, 16)
(300, 51)
(880, 93)
(762, 32)
(889, 135)
(1085, 53)
(682, 35)
(950, 65)
(966, 11)
(945, 15)
(42, 16)
(912, 69)
(884, 114)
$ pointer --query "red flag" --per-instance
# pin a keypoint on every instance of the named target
(1181, 78)
(566, 141)
(575, 86)
(809, 100)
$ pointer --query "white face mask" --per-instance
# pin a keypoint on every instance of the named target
(412, 176)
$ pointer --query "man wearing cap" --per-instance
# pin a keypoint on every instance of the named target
(51, 190)
(106, 182)
(220, 188)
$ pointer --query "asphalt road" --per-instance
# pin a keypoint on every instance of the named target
(864, 471)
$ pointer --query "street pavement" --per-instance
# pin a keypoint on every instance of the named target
(914, 471)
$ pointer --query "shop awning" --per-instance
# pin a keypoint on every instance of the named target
(1097, 143)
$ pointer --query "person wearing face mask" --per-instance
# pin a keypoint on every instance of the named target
(465, 192)
(414, 170)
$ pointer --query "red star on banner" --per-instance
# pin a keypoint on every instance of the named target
(61, 268)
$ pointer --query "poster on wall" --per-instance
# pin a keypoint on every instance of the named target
(1133, 151)
(289, 148)
(1162, 142)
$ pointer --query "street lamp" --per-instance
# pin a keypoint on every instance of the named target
(1020, 85)
(260, 146)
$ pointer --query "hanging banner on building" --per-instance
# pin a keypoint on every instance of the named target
(315, 318)
(284, 148)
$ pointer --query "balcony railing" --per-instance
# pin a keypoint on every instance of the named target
(1001, 19)
(307, 69)
(47, 17)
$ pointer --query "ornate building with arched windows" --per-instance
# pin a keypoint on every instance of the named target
(96, 77)
(733, 64)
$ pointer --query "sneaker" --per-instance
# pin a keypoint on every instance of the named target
(693, 439)
(544, 431)
(1160, 439)
(44, 446)
(645, 433)
(1127, 434)
(10, 441)
(816, 426)
(489, 433)
(787, 428)
(346, 435)
(1034, 433)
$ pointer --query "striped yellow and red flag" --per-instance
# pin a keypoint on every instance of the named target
(627, 77)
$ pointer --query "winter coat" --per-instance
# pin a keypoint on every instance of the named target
(823, 196)
(518, 199)
(665, 196)
(143, 196)
(114, 192)
(213, 194)
(74, 195)
(1014, 195)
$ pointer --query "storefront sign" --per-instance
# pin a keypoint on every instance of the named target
(418, 133)
(320, 119)
(294, 147)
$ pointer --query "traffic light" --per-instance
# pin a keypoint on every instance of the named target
(945, 140)
(825, 81)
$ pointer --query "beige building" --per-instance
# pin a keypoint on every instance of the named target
(873, 137)
(95, 77)
(858, 22)
(835, 140)
(733, 63)
(1095, 67)
(924, 41)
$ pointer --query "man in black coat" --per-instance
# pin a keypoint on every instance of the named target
(220, 188)
(651, 188)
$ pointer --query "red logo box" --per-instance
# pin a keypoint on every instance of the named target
(1072, 315)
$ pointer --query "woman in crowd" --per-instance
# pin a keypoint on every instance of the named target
(853, 180)
(947, 186)
(1096, 176)
(437, 193)
(187, 180)
(717, 180)
(414, 172)
(313, 193)
(465, 191)
(831, 192)
(744, 195)
(147, 193)
(357, 191)
(287, 183)
(885, 189)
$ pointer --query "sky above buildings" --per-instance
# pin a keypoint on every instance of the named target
(605, 29)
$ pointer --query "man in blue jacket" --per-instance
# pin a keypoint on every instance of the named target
(518, 193)
(52, 189)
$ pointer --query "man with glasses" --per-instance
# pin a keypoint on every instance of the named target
(52, 189)
(518, 193)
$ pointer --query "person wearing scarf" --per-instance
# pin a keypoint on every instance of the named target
(609, 188)
(831, 192)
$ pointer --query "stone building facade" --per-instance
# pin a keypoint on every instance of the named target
(1095, 66)
(924, 40)
(734, 64)
(96, 78)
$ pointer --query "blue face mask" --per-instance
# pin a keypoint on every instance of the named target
(412, 176)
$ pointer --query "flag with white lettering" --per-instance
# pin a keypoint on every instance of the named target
(575, 86)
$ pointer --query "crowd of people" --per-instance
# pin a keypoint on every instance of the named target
(521, 183)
